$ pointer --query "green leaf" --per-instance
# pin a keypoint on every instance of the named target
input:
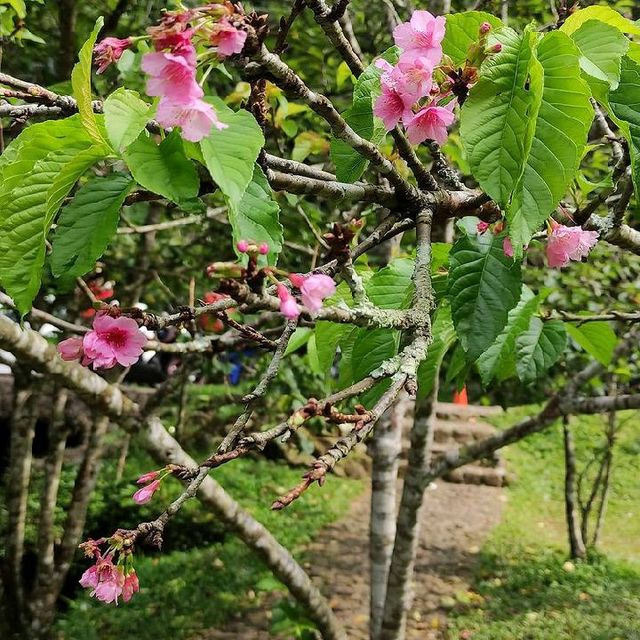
(27, 211)
(391, 287)
(125, 116)
(299, 338)
(561, 129)
(255, 216)
(602, 48)
(497, 120)
(603, 14)
(539, 347)
(328, 336)
(498, 360)
(350, 165)
(81, 83)
(370, 350)
(484, 285)
(444, 337)
(87, 223)
(624, 104)
(230, 153)
(462, 30)
(598, 339)
(18, 6)
(163, 169)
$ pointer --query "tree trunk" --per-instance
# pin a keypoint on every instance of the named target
(386, 446)
(576, 543)
(67, 24)
(399, 595)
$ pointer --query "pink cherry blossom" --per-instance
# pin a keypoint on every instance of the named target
(130, 586)
(568, 243)
(421, 36)
(90, 577)
(417, 74)
(142, 496)
(395, 99)
(70, 349)
(177, 40)
(288, 307)
(111, 581)
(172, 77)
(227, 38)
(113, 341)
(195, 118)
(482, 226)
(507, 247)
(430, 122)
(315, 289)
(110, 50)
(147, 477)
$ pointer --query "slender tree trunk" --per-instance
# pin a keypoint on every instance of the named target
(67, 22)
(576, 543)
(385, 452)
(17, 492)
(399, 595)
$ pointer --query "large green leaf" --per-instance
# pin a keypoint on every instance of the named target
(601, 47)
(163, 169)
(125, 116)
(603, 13)
(27, 211)
(498, 360)
(230, 154)
(350, 165)
(462, 30)
(561, 128)
(598, 339)
(497, 120)
(370, 350)
(484, 285)
(81, 83)
(255, 216)
(444, 337)
(539, 347)
(328, 336)
(624, 104)
(391, 287)
(87, 223)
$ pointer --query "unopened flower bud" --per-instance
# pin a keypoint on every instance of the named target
(263, 249)
(485, 27)
(242, 246)
(496, 48)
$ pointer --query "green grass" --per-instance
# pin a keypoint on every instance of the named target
(185, 592)
(527, 591)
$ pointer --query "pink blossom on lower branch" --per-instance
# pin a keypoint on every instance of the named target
(195, 118)
(430, 123)
(568, 243)
(314, 289)
(113, 341)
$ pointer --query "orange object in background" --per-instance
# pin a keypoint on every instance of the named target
(460, 397)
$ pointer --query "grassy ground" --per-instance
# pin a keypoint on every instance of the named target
(527, 590)
(184, 592)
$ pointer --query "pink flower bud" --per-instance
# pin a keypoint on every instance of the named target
(263, 249)
(147, 477)
(70, 349)
(288, 307)
(142, 496)
(507, 247)
(130, 586)
(296, 279)
(497, 48)
(485, 27)
(242, 246)
(482, 226)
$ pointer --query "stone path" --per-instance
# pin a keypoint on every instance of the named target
(456, 519)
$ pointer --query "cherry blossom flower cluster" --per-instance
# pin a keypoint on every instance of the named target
(172, 65)
(563, 244)
(111, 341)
(313, 289)
(109, 581)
